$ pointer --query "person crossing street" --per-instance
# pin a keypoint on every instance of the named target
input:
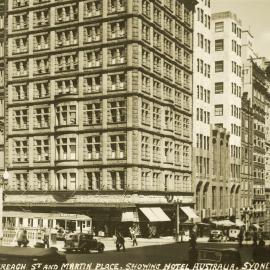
(120, 242)
(133, 236)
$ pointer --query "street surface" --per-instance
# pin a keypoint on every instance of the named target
(158, 254)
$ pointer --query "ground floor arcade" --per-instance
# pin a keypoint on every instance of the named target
(154, 214)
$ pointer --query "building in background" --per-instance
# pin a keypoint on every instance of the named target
(220, 173)
(202, 108)
(99, 106)
(246, 160)
(227, 91)
(256, 89)
(266, 65)
(247, 172)
(2, 82)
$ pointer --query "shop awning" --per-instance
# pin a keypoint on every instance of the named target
(161, 214)
(129, 216)
(189, 212)
(155, 214)
(228, 223)
(215, 222)
(203, 224)
(225, 223)
(239, 223)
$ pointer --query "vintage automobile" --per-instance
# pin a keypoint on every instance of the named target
(82, 242)
(216, 236)
(265, 235)
(30, 256)
(228, 256)
(233, 234)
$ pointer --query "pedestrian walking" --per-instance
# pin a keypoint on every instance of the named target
(46, 238)
(133, 237)
(240, 238)
(193, 239)
(130, 232)
(150, 231)
(120, 242)
(22, 239)
(255, 238)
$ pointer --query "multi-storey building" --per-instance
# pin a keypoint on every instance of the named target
(2, 79)
(227, 89)
(255, 87)
(220, 173)
(266, 65)
(99, 105)
(247, 160)
(247, 171)
(202, 108)
(267, 158)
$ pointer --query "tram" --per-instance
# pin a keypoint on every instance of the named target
(32, 220)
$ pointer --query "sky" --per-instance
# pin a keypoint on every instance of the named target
(255, 15)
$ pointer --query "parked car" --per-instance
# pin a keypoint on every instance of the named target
(82, 242)
(233, 234)
(224, 256)
(30, 256)
(216, 236)
(266, 235)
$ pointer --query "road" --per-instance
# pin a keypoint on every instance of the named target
(162, 254)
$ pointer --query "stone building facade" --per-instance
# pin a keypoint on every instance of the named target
(2, 82)
(267, 150)
(247, 160)
(99, 104)
(256, 90)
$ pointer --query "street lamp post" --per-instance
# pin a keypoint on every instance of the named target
(178, 204)
(3, 182)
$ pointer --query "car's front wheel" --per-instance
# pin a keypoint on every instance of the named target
(84, 250)
(100, 248)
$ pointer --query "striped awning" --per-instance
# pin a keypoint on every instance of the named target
(189, 212)
(155, 214)
(239, 223)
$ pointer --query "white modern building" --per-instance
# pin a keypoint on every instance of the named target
(227, 89)
(202, 107)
